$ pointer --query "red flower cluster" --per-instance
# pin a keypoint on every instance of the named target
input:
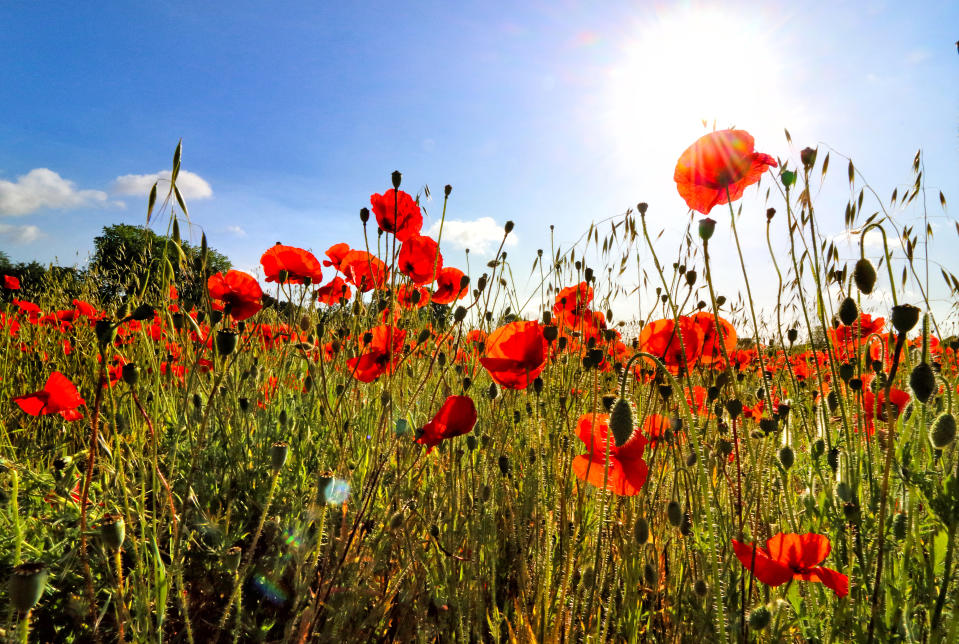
(58, 396)
(515, 354)
(300, 266)
(398, 213)
(719, 162)
(627, 470)
(379, 353)
(238, 290)
(790, 556)
(456, 417)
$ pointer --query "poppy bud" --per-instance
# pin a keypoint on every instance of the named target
(770, 213)
(700, 588)
(846, 371)
(112, 531)
(734, 407)
(855, 384)
(650, 574)
(808, 157)
(197, 401)
(588, 274)
(832, 401)
(759, 618)
(900, 525)
(848, 312)
(244, 404)
(690, 277)
(641, 531)
(278, 454)
(503, 463)
(724, 446)
(231, 558)
(470, 442)
(674, 513)
(904, 317)
(707, 227)
(130, 374)
(844, 491)
(143, 312)
(686, 525)
(768, 425)
(364, 215)
(396, 177)
(459, 314)
(105, 331)
(283, 418)
(492, 392)
(864, 275)
(621, 422)
(851, 511)
(225, 342)
(943, 431)
(26, 585)
(923, 381)
(818, 447)
(642, 207)
(833, 458)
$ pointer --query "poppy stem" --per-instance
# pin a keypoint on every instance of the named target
(85, 496)
(884, 490)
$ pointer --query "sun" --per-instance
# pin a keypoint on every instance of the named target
(688, 71)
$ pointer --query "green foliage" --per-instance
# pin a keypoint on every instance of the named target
(128, 257)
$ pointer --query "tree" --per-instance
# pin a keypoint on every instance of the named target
(5, 263)
(128, 259)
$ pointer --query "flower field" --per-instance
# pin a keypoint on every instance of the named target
(375, 444)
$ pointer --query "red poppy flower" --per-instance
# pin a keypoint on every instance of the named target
(420, 259)
(300, 265)
(379, 353)
(398, 213)
(335, 292)
(710, 352)
(336, 253)
(58, 396)
(573, 300)
(364, 271)
(654, 428)
(11, 283)
(875, 406)
(790, 556)
(515, 354)
(456, 417)
(661, 339)
(720, 161)
(31, 309)
(627, 470)
(410, 296)
(450, 286)
(237, 289)
(86, 309)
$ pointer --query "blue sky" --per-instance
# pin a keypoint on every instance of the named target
(292, 114)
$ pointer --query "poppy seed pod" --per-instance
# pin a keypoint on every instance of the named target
(674, 513)
(459, 314)
(621, 422)
(864, 275)
(26, 585)
(904, 317)
(818, 447)
(848, 311)
(278, 454)
(225, 342)
(396, 177)
(759, 618)
(130, 374)
(734, 407)
(900, 525)
(700, 588)
(770, 213)
(923, 381)
(364, 215)
(707, 227)
(508, 228)
(846, 371)
(844, 491)
(792, 335)
(231, 558)
(641, 531)
(787, 457)
(833, 458)
(943, 431)
(504, 466)
(808, 157)
(105, 331)
(112, 531)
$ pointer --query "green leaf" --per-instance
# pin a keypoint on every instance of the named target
(152, 202)
(176, 161)
(180, 202)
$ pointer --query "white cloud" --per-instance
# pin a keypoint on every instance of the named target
(191, 185)
(236, 231)
(917, 56)
(20, 234)
(873, 240)
(43, 188)
(479, 235)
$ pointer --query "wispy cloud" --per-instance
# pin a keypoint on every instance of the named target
(43, 188)
(191, 185)
(236, 231)
(20, 234)
(479, 235)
